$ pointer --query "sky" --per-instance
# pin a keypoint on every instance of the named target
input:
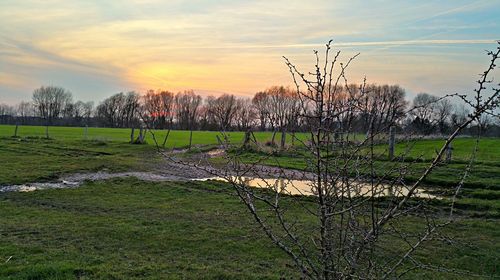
(97, 48)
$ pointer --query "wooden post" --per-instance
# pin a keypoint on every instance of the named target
(392, 140)
(15, 131)
(86, 132)
(132, 135)
(283, 139)
(141, 135)
(166, 137)
(190, 139)
(246, 140)
(449, 152)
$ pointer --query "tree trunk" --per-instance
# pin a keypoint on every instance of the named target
(15, 131)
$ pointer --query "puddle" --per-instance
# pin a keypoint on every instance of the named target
(39, 186)
(285, 186)
(216, 153)
(305, 187)
(76, 180)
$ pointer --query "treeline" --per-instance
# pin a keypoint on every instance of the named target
(276, 109)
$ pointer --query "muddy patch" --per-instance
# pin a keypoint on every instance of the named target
(76, 180)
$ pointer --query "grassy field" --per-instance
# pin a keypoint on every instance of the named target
(121, 229)
(31, 159)
(481, 189)
(126, 228)
(176, 138)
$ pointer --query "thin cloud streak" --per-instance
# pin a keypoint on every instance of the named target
(343, 44)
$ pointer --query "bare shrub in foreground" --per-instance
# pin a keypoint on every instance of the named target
(355, 221)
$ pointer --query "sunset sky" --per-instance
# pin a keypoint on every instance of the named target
(98, 48)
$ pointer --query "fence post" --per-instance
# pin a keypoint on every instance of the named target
(190, 139)
(246, 139)
(392, 140)
(86, 132)
(132, 135)
(283, 139)
(141, 135)
(449, 151)
(15, 131)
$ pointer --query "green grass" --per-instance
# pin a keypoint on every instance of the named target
(33, 159)
(122, 229)
(482, 182)
(176, 138)
(126, 228)
(488, 150)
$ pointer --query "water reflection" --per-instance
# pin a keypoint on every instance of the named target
(306, 187)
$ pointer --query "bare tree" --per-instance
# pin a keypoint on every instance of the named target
(6, 110)
(223, 109)
(283, 109)
(120, 110)
(245, 114)
(385, 104)
(186, 107)
(50, 102)
(260, 101)
(159, 108)
(443, 113)
(341, 232)
(24, 110)
(424, 113)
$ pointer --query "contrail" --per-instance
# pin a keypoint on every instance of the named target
(346, 44)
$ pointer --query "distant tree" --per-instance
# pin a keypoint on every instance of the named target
(119, 110)
(459, 114)
(223, 109)
(245, 114)
(6, 110)
(423, 113)
(381, 105)
(88, 110)
(260, 102)
(283, 107)
(443, 112)
(24, 110)
(187, 104)
(158, 107)
(50, 102)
